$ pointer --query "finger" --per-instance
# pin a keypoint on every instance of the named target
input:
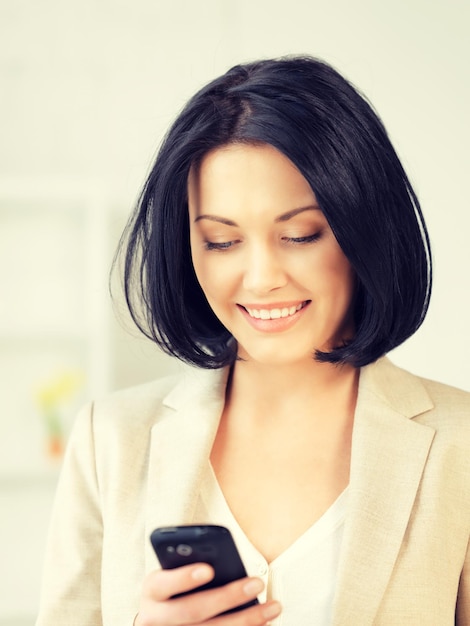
(161, 585)
(259, 615)
(202, 606)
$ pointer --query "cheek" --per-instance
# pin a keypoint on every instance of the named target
(211, 275)
(340, 278)
(344, 274)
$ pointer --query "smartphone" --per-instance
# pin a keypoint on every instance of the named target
(182, 545)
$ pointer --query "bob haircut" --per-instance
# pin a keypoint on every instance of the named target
(305, 109)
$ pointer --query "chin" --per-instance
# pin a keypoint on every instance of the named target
(277, 358)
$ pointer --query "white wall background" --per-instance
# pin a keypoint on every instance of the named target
(88, 87)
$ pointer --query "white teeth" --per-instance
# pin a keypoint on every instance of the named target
(274, 314)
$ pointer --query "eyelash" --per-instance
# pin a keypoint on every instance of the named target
(226, 245)
(303, 240)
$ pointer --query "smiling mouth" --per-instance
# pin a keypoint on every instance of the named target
(275, 313)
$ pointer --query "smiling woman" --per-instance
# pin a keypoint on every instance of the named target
(279, 247)
(330, 136)
(266, 257)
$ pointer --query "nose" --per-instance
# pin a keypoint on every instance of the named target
(263, 271)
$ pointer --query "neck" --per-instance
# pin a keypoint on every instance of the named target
(287, 390)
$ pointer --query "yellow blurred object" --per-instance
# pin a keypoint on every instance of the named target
(52, 399)
(59, 389)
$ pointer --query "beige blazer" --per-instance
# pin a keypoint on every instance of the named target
(135, 459)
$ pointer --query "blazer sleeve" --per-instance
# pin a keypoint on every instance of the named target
(71, 580)
(462, 616)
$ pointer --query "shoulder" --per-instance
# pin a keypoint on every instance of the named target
(115, 431)
(425, 401)
(450, 414)
(449, 410)
(447, 396)
(141, 403)
(137, 409)
(120, 416)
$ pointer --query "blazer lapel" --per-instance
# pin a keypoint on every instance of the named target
(180, 446)
(389, 452)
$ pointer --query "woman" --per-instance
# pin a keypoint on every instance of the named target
(279, 247)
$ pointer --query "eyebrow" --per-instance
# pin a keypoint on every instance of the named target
(284, 217)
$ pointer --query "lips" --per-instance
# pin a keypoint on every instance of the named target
(275, 312)
(276, 317)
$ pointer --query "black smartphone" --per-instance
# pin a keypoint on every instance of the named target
(182, 545)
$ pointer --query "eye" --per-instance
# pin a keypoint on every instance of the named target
(303, 240)
(223, 245)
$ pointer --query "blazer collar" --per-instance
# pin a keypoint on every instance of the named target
(180, 445)
(389, 452)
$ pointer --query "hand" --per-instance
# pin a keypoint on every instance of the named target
(157, 608)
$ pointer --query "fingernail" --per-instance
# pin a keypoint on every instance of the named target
(253, 587)
(271, 610)
(201, 573)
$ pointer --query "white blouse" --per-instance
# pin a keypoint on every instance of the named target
(303, 577)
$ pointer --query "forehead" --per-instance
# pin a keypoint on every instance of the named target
(241, 174)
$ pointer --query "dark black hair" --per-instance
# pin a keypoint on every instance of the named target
(316, 118)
